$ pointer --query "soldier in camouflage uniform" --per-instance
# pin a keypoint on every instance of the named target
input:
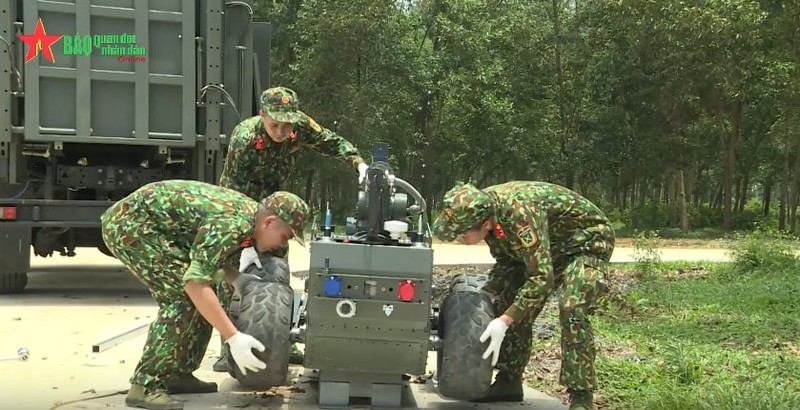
(543, 237)
(181, 238)
(264, 148)
(262, 154)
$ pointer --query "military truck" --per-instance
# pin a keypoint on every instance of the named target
(100, 97)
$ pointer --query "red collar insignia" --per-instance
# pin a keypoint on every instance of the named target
(260, 142)
(498, 231)
(248, 242)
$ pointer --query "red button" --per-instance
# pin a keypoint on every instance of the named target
(407, 290)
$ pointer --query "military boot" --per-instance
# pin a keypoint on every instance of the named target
(504, 388)
(137, 397)
(189, 384)
(580, 400)
(296, 356)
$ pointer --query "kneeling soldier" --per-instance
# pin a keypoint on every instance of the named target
(543, 237)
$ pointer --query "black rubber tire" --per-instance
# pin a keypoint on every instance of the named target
(13, 282)
(265, 312)
(462, 372)
(105, 251)
(273, 268)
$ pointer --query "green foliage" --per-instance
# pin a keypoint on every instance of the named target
(646, 253)
(764, 249)
(603, 97)
(718, 340)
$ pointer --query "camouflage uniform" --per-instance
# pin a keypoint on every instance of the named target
(173, 231)
(544, 237)
(256, 165)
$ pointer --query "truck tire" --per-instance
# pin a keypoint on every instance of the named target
(13, 282)
(462, 372)
(265, 312)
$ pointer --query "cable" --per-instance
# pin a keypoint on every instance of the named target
(11, 60)
(224, 92)
(20, 193)
(57, 405)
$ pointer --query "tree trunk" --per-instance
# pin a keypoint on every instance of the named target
(737, 193)
(730, 163)
(793, 210)
(309, 185)
(642, 192)
(624, 195)
(717, 203)
(669, 182)
(743, 191)
(681, 200)
(689, 184)
(767, 196)
(784, 190)
(794, 193)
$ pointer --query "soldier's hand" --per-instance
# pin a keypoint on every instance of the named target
(362, 172)
(496, 330)
(249, 255)
(241, 345)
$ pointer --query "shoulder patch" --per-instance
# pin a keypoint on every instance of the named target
(314, 126)
(527, 238)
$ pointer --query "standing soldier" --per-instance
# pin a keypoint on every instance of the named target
(262, 153)
(543, 236)
(180, 238)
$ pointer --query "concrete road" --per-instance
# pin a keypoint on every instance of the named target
(73, 303)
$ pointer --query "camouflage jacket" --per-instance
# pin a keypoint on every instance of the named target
(256, 165)
(537, 224)
(201, 224)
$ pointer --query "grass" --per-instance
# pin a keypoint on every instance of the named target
(675, 233)
(684, 336)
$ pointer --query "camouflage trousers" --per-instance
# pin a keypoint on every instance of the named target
(581, 277)
(178, 338)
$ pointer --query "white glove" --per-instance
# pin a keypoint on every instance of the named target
(362, 172)
(497, 331)
(249, 255)
(241, 345)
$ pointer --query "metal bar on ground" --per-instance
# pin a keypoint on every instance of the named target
(120, 338)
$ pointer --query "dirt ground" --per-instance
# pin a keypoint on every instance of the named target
(669, 243)
(72, 303)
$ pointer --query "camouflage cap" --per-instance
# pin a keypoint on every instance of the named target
(291, 209)
(465, 206)
(281, 104)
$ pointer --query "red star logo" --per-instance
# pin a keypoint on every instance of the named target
(39, 40)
